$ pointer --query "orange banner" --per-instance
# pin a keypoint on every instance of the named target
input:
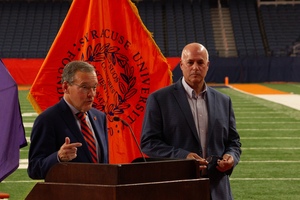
(23, 70)
(111, 36)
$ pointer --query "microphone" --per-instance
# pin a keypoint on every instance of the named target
(116, 118)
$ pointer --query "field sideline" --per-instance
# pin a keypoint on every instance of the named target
(270, 136)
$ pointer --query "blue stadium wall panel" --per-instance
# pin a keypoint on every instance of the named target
(251, 70)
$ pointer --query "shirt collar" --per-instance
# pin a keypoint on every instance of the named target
(190, 90)
(73, 109)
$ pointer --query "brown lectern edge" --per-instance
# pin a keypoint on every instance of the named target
(127, 173)
(168, 180)
(167, 190)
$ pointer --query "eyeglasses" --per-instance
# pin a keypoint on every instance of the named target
(213, 159)
(86, 89)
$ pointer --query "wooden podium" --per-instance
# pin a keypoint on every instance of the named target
(170, 179)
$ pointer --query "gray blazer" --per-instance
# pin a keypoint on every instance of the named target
(169, 131)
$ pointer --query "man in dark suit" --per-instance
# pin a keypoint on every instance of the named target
(190, 120)
(57, 135)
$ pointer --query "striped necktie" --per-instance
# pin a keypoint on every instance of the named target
(88, 135)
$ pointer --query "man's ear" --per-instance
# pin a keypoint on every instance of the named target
(65, 87)
(180, 64)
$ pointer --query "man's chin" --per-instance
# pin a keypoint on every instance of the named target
(196, 79)
(88, 107)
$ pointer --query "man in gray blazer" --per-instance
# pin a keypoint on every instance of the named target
(56, 134)
(190, 120)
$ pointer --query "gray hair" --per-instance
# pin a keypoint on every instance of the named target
(72, 67)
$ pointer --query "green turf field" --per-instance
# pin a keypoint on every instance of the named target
(270, 136)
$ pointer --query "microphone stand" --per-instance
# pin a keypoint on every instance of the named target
(132, 133)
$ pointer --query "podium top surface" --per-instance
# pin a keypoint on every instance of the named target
(115, 174)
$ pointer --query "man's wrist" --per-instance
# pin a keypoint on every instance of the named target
(58, 159)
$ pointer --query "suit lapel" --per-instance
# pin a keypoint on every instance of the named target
(68, 117)
(99, 129)
(180, 96)
(211, 101)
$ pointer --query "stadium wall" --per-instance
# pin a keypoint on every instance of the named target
(251, 70)
(238, 70)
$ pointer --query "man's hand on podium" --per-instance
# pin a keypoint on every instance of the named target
(202, 162)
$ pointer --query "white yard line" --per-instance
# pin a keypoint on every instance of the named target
(265, 179)
(30, 181)
(290, 100)
(270, 148)
(269, 129)
(270, 138)
(29, 114)
(23, 164)
(28, 124)
(271, 161)
(260, 122)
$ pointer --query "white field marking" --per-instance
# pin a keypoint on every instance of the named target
(269, 129)
(271, 161)
(28, 124)
(268, 122)
(264, 179)
(255, 108)
(22, 161)
(290, 100)
(258, 117)
(27, 181)
(29, 114)
(270, 148)
(255, 112)
(270, 138)
(23, 164)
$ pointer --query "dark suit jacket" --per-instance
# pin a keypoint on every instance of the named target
(48, 135)
(169, 131)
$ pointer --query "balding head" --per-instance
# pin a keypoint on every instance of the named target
(195, 48)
